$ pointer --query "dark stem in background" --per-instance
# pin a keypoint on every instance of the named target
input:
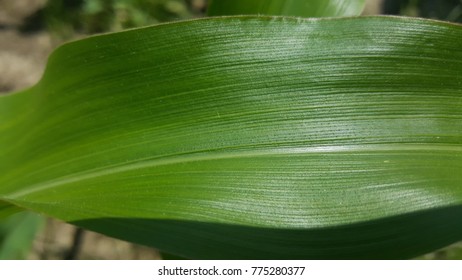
(76, 245)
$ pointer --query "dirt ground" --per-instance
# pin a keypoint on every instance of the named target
(22, 56)
(56, 240)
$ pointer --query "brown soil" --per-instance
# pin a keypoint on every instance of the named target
(56, 241)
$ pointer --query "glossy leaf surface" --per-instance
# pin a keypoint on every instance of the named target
(248, 137)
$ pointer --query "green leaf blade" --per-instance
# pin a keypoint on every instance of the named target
(17, 234)
(397, 237)
(7, 209)
(254, 123)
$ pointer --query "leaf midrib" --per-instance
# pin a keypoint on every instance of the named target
(219, 154)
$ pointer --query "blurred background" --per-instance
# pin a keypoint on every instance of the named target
(31, 29)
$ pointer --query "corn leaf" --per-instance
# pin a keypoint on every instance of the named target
(17, 233)
(7, 209)
(248, 137)
(302, 8)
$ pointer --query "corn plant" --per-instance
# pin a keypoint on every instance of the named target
(244, 137)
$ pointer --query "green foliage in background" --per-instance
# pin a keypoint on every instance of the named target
(65, 17)
(450, 10)
(17, 233)
(326, 8)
